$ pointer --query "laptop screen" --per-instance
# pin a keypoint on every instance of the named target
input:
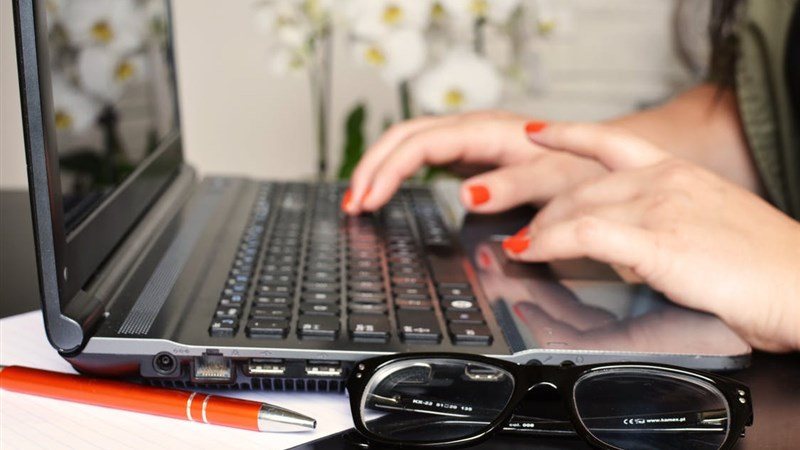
(114, 97)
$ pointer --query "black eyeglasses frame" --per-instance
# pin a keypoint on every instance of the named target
(563, 378)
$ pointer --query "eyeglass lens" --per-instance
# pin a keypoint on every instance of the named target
(650, 409)
(428, 400)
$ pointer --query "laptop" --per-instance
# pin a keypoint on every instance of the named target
(148, 271)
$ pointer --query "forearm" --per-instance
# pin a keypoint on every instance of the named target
(701, 125)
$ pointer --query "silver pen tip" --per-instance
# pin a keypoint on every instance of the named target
(276, 419)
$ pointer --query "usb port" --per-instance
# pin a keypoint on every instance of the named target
(323, 369)
(212, 368)
(265, 367)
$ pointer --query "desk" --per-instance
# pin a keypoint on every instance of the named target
(774, 379)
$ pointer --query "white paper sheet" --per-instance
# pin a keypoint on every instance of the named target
(34, 422)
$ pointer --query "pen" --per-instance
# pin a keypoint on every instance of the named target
(191, 406)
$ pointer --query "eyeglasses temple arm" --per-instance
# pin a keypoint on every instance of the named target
(683, 421)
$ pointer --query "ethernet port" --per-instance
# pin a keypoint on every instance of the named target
(212, 368)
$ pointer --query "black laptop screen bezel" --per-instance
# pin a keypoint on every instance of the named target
(72, 257)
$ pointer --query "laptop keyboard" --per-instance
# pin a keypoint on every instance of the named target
(308, 269)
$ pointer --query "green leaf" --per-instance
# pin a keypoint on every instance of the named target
(354, 144)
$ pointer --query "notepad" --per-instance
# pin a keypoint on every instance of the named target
(34, 422)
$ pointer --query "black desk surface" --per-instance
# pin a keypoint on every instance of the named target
(774, 379)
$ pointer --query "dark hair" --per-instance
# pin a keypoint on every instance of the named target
(725, 45)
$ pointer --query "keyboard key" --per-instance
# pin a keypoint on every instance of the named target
(456, 293)
(271, 312)
(470, 334)
(267, 328)
(369, 328)
(365, 275)
(418, 326)
(318, 275)
(411, 292)
(367, 308)
(460, 305)
(329, 266)
(223, 327)
(319, 309)
(413, 282)
(277, 269)
(406, 272)
(367, 297)
(229, 312)
(366, 286)
(407, 303)
(274, 290)
(272, 301)
(277, 279)
(321, 297)
(455, 316)
(321, 286)
(318, 327)
(359, 264)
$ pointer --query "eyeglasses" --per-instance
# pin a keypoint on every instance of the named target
(442, 399)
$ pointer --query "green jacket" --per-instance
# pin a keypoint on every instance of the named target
(768, 119)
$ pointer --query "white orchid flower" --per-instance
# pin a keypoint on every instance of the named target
(399, 55)
(462, 81)
(468, 11)
(553, 18)
(374, 18)
(286, 20)
(120, 25)
(74, 110)
(289, 61)
(105, 73)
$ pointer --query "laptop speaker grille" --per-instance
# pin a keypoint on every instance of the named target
(160, 284)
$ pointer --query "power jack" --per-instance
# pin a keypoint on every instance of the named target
(165, 364)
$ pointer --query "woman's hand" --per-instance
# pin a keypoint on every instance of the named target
(702, 241)
(475, 141)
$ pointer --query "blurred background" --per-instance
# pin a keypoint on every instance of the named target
(249, 86)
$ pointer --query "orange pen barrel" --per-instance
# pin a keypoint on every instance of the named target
(132, 397)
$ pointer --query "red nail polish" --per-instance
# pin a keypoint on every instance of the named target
(346, 199)
(516, 245)
(535, 127)
(479, 194)
(523, 232)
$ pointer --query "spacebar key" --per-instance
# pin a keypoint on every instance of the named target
(416, 325)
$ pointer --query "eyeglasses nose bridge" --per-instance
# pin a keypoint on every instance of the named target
(542, 383)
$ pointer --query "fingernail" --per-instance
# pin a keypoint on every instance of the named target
(346, 199)
(523, 232)
(479, 194)
(535, 127)
(516, 244)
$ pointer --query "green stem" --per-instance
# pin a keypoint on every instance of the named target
(479, 41)
(320, 76)
(405, 100)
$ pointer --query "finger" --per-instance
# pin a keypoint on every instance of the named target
(496, 142)
(590, 237)
(362, 175)
(535, 182)
(613, 188)
(613, 147)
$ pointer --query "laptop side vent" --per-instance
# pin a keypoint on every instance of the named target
(161, 282)
(260, 384)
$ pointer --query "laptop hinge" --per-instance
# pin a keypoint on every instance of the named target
(88, 307)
